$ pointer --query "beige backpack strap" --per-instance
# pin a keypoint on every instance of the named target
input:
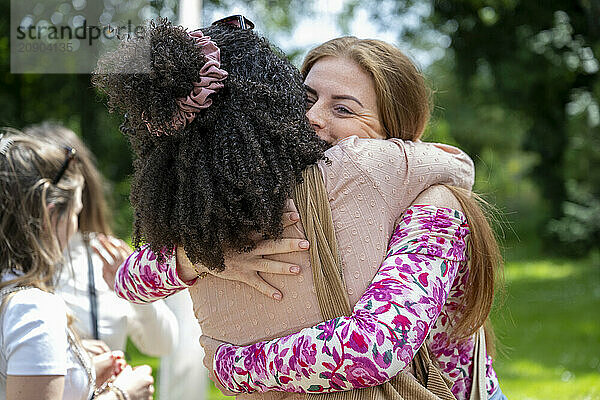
(478, 390)
(313, 206)
(429, 374)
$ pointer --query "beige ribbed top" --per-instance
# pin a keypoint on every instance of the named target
(369, 183)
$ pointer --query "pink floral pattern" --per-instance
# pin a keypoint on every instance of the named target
(142, 279)
(414, 294)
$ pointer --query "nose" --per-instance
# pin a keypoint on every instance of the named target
(315, 116)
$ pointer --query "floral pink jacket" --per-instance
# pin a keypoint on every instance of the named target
(414, 294)
(417, 285)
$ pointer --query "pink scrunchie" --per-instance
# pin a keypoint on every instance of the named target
(211, 77)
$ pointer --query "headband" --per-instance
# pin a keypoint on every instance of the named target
(4, 144)
(211, 77)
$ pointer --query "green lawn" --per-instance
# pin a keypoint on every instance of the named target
(549, 329)
(548, 325)
(135, 357)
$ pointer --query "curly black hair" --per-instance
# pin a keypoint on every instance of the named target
(211, 186)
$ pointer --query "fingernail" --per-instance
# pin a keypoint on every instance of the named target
(304, 244)
(277, 296)
(295, 217)
(295, 269)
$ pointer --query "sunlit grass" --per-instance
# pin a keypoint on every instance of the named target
(540, 270)
(526, 379)
(549, 331)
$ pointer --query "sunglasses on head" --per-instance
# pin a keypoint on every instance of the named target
(70, 154)
(238, 21)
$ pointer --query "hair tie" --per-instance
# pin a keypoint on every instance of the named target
(4, 144)
(211, 77)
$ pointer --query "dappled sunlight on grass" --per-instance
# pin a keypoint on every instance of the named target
(526, 369)
(583, 387)
(544, 269)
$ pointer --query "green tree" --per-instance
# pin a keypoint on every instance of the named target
(539, 54)
(534, 64)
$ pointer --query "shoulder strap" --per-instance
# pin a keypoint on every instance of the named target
(312, 202)
(478, 390)
(91, 288)
(315, 213)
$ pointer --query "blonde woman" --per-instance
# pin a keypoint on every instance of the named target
(425, 287)
(41, 357)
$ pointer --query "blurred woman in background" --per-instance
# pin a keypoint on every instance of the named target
(41, 356)
(93, 255)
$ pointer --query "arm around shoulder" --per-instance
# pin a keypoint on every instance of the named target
(388, 325)
(434, 163)
(143, 279)
(438, 196)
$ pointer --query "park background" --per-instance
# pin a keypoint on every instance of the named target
(517, 86)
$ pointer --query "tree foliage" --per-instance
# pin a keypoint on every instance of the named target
(539, 54)
(541, 59)
(520, 84)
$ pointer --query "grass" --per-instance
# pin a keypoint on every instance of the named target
(548, 327)
(136, 357)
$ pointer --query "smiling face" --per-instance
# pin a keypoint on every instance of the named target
(342, 100)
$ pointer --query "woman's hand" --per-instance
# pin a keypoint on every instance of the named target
(136, 382)
(245, 267)
(107, 365)
(113, 252)
(210, 347)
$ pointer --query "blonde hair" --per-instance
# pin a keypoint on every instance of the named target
(95, 215)
(403, 98)
(29, 246)
(404, 103)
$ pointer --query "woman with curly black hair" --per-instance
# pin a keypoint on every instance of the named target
(227, 174)
(221, 139)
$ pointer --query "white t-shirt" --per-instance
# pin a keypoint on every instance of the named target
(33, 334)
(152, 327)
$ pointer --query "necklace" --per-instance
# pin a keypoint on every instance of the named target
(84, 359)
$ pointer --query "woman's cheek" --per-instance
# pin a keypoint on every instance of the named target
(324, 136)
(343, 130)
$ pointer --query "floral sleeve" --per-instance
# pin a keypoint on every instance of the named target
(388, 324)
(143, 279)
